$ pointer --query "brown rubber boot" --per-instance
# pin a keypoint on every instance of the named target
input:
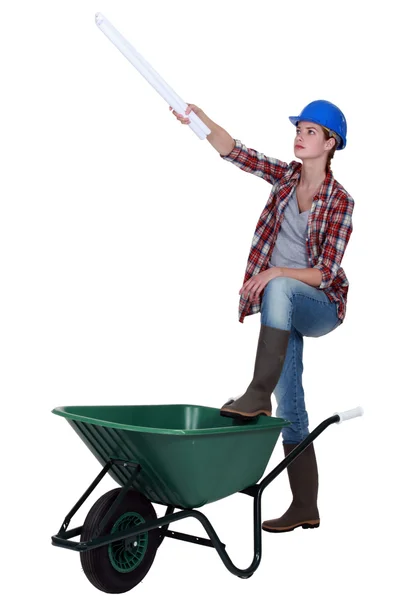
(303, 478)
(271, 351)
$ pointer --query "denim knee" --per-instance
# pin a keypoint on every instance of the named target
(280, 285)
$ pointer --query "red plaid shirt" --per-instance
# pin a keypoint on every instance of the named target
(329, 225)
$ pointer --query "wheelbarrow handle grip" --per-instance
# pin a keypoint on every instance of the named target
(350, 414)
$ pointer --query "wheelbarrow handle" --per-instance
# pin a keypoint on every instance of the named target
(350, 414)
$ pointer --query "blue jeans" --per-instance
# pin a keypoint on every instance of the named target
(304, 311)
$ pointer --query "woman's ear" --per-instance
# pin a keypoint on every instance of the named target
(330, 143)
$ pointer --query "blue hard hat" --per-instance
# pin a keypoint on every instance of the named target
(327, 115)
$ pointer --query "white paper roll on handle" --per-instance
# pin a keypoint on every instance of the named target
(350, 414)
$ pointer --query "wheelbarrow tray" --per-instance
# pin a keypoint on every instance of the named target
(189, 455)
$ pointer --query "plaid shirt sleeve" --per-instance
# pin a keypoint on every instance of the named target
(337, 237)
(251, 161)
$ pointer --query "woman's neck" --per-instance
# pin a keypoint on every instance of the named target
(312, 173)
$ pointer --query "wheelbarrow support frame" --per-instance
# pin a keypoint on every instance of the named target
(63, 537)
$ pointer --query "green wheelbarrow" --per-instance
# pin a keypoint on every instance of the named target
(177, 456)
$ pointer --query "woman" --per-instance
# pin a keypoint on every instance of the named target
(294, 278)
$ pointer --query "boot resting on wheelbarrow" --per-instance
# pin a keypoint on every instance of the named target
(271, 351)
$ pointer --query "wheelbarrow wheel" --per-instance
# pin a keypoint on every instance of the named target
(119, 566)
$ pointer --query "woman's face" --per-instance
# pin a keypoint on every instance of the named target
(310, 141)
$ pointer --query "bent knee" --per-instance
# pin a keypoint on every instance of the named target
(280, 285)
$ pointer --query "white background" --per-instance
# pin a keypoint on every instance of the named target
(124, 241)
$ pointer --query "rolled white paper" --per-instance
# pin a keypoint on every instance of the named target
(151, 75)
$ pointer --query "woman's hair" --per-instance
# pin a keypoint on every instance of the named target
(329, 135)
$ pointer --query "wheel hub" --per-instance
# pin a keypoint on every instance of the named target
(126, 555)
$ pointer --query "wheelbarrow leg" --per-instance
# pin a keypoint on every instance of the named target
(93, 485)
(84, 497)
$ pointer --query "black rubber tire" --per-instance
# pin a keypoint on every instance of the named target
(96, 563)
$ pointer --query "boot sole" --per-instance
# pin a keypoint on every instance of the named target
(234, 414)
(305, 525)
